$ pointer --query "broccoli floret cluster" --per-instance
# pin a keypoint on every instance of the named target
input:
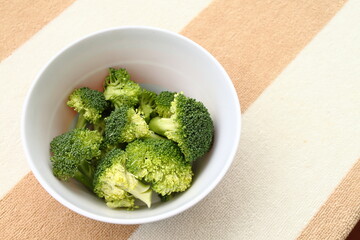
(189, 125)
(125, 125)
(163, 103)
(89, 104)
(161, 163)
(120, 90)
(129, 142)
(118, 186)
(147, 104)
(72, 155)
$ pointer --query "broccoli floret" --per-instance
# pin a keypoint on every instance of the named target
(124, 125)
(88, 103)
(120, 90)
(106, 147)
(190, 125)
(163, 103)
(72, 154)
(161, 163)
(127, 201)
(147, 104)
(118, 186)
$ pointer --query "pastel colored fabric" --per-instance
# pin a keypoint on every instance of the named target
(294, 65)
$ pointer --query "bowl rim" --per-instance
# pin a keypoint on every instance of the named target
(173, 212)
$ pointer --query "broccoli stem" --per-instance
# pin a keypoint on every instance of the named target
(85, 174)
(146, 112)
(100, 126)
(117, 105)
(81, 122)
(153, 136)
(142, 192)
(161, 125)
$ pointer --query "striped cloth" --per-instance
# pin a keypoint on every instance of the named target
(296, 68)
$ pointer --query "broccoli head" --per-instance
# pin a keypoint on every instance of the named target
(161, 163)
(190, 126)
(163, 103)
(72, 154)
(120, 90)
(118, 186)
(124, 125)
(88, 103)
(147, 104)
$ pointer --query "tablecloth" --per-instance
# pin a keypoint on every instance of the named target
(295, 67)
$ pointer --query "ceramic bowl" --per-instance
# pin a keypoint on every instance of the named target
(155, 58)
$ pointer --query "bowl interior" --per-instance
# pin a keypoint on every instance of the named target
(158, 60)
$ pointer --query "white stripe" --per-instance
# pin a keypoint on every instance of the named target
(299, 140)
(81, 18)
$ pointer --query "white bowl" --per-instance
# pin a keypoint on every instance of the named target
(156, 58)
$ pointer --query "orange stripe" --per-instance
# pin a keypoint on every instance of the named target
(21, 19)
(254, 40)
(29, 212)
(338, 216)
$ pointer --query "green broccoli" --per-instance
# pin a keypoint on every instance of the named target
(153, 135)
(190, 125)
(161, 163)
(100, 126)
(120, 90)
(147, 104)
(89, 104)
(166, 198)
(72, 154)
(124, 125)
(118, 186)
(163, 103)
